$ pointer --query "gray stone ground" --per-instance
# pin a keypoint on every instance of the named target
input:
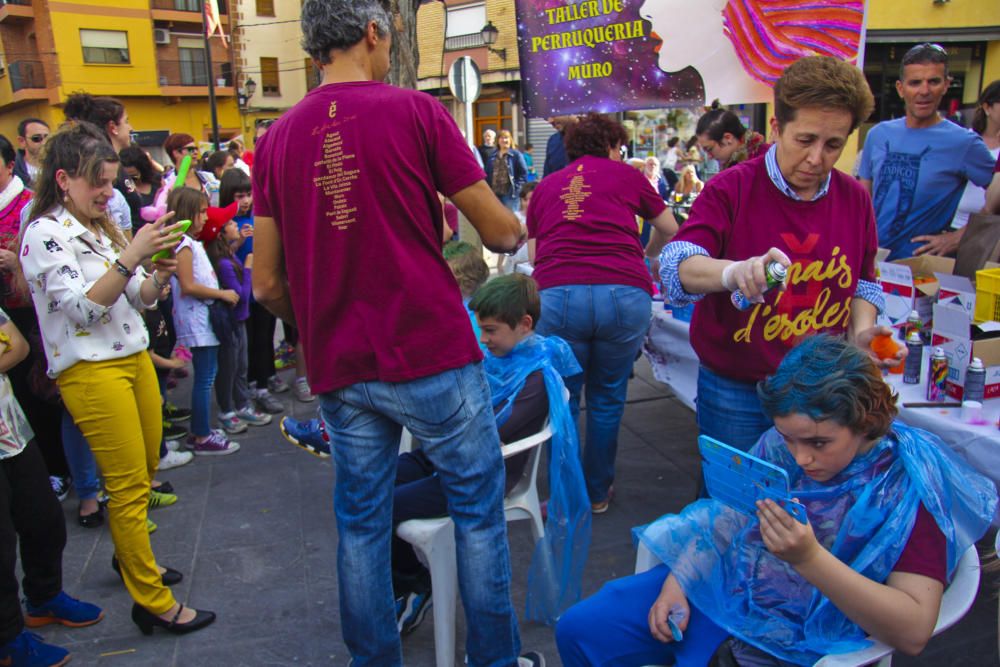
(254, 535)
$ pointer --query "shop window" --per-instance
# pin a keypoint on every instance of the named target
(270, 81)
(105, 47)
(493, 114)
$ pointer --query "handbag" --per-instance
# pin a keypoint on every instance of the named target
(980, 244)
(223, 320)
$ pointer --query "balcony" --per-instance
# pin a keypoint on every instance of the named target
(185, 11)
(188, 78)
(16, 10)
(462, 42)
(26, 74)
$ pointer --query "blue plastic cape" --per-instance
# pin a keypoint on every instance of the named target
(863, 516)
(556, 571)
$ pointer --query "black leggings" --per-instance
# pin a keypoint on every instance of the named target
(29, 512)
(260, 345)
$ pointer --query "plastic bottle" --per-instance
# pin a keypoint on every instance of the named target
(975, 381)
(914, 358)
(774, 273)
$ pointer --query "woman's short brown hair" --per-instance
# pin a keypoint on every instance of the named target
(594, 135)
(822, 82)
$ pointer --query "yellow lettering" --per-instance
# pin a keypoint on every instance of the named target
(551, 13)
(743, 335)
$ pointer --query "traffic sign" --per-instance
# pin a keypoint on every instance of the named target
(464, 80)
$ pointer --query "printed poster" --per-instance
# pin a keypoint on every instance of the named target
(616, 55)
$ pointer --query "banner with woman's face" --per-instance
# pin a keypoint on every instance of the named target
(615, 55)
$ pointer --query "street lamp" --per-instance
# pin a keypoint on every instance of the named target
(490, 33)
(245, 92)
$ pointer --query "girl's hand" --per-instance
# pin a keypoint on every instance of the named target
(670, 603)
(154, 237)
(175, 362)
(791, 541)
(230, 297)
(246, 231)
(164, 268)
(8, 260)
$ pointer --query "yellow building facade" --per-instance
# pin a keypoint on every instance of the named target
(147, 53)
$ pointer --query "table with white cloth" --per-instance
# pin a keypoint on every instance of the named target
(674, 362)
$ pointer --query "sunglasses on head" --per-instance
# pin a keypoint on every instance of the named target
(38, 138)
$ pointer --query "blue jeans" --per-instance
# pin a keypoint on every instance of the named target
(206, 365)
(80, 459)
(611, 628)
(729, 410)
(605, 326)
(451, 415)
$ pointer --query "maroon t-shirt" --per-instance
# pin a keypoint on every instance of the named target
(583, 220)
(831, 241)
(925, 552)
(351, 175)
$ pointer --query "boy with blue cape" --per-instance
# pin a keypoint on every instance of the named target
(525, 373)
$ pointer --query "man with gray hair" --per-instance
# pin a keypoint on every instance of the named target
(347, 246)
(489, 145)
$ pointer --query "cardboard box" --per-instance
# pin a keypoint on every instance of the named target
(953, 332)
(903, 294)
(956, 291)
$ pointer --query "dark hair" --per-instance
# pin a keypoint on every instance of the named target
(717, 122)
(990, 95)
(81, 149)
(340, 24)
(925, 54)
(97, 110)
(508, 299)
(133, 156)
(528, 188)
(186, 203)
(175, 142)
(219, 250)
(216, 160)
(232, 183)
(673, 141)
(7, 151)
(22, 127)
(822, 82)
(595, 134)
(824, 377)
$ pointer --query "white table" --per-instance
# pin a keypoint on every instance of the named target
(674, 363)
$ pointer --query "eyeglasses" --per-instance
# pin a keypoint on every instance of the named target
(38, 138)
(190, 150)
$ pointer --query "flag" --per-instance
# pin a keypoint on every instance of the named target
(212, 22)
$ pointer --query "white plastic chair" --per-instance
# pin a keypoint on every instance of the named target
(956, 601)
(434, 541)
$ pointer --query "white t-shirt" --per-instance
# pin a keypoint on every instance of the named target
(973, 200)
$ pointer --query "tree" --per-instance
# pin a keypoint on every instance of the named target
(405, 56)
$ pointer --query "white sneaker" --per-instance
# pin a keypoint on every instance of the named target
(253, 417)
(231, 423)
(175, 459)
(173, 445)
(302, 391)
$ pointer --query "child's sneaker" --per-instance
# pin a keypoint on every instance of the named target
(253, 417)
(172, 413)
(173, 432)
(28, 650)
(309, 435)
(412, 611)
(268, 403)
(60, 485)
(213, 445)
(232, 424)
(302, 391)
(159, 499)
(64, 610)
(175, 459)
(276, 385)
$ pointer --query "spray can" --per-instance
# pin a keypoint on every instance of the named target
(775, 274)
(913, 323)
(975, 381)
(914, 358)
(937, 375)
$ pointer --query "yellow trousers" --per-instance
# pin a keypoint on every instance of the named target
(116, 404)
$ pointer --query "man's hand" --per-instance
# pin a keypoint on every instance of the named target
(938, 244)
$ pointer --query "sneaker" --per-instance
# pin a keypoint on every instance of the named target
(412, 611)
(173, 432)
(150, 527)
(253, 417)
(268, 403)
(159, 499)
(309, 435)
(60, 485)
(214, 445)
(175, 458)
(174, 414)
(165, 487)
(232, 424)
(302, 391)
(172, 445)
(531, 659)
(276, 385)
(64, 610)
(602, 506)
(28, 650)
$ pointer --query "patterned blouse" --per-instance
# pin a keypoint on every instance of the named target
(15, 432)
(62, 260)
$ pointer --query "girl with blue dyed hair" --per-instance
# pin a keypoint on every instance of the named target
(890, 511)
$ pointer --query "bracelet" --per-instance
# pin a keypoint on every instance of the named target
(156, 283)
(124, 270)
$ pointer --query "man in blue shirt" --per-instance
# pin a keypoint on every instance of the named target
(555, 149)
(917, 167)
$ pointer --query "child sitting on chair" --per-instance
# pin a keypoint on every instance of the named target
(890, 511)
(525, 374)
